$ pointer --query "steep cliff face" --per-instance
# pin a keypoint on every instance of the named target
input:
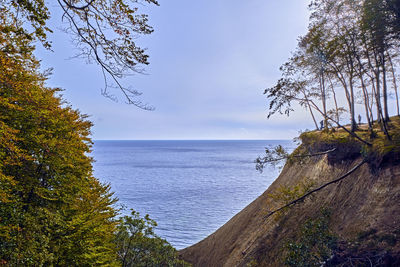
(366, 204)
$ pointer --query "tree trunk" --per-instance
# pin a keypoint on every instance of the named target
(378, 95)
(385, 96)
(372, 104)
(394, 84)
(381, 119)
(365, 92)
(366, 101)
(352, 108)
(335, 100)
(312, 114)
(323, 93)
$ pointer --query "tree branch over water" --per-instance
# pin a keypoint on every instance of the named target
(279, 153)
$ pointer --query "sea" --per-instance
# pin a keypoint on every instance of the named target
(190, 188)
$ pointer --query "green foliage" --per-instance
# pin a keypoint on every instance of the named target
(138, 245)
(348, 147)
(310, 138)
(272, 156)
(27, 18)
(53, 211)
(349, 49)
(315, 243)
(284, 195)
(252, 263)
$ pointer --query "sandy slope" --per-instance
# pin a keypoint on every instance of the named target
(365, 200)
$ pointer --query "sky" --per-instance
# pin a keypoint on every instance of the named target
(210, 62)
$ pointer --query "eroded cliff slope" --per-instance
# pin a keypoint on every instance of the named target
(364, 207)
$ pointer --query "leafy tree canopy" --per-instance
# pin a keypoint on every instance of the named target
(53, 211)
(103, 30)
(138, 245)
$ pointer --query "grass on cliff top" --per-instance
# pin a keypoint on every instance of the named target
(377, 138)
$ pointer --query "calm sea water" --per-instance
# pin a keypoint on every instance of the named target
(190, 188)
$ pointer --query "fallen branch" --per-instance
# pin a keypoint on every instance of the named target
(315, 154)
(317, 189)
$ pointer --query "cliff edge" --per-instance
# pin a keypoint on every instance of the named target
(364, 214)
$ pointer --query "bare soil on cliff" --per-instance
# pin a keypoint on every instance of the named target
(365, 215)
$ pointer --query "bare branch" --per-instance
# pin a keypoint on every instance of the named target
(70, 5)
(107, 37)
(262, 161)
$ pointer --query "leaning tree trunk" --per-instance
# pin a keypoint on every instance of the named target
(310, 109)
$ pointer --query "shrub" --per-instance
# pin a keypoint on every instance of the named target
(315, 243)
(138, 245)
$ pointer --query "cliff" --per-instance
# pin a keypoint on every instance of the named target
(364, 214)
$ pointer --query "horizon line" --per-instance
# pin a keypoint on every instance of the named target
(192, 139)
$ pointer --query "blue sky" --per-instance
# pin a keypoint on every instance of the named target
(209, 64)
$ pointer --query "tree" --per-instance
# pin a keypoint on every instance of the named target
(333, 34)
(293, 86)
(138, 245)
(350, 48)
(376, 25)
(105, 31)
(53, 211)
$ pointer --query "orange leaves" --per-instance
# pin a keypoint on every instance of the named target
(62, 214)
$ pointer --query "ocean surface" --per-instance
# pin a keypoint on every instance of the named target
(191, 188)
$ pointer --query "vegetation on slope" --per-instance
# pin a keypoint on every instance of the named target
(350, 50)
(381, 150)
(312, 245)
